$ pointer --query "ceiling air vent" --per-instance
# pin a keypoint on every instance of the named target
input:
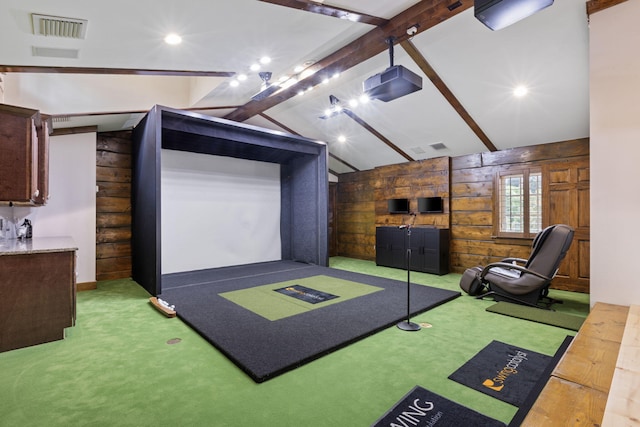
(438, 146)
(56, 26)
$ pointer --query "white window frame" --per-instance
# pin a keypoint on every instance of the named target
(531, 222)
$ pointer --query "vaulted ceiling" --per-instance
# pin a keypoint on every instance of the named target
(122, 67)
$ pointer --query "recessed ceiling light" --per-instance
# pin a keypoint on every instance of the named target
(265, 60)
(173, 39)
(520, 91)
(342, 138)
(255, 67)
(241, 77)
(234, 83)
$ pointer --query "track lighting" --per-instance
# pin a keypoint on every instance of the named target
(335, 108)
(267, 88)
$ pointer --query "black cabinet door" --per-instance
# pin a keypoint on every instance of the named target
(416, 243)
(431, 251)
(436, 251)
(390, 247)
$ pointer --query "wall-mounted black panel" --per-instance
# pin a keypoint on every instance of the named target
(395, 206)
(430, 205)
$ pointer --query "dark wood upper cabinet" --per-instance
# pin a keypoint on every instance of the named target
(24, 156)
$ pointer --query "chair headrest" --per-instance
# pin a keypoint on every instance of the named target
(550, 248)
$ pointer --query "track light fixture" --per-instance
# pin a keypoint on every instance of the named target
(267, 88)
(335, 108)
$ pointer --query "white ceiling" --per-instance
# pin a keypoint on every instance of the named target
(548, 52)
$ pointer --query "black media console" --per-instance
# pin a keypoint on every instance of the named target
(429, 248)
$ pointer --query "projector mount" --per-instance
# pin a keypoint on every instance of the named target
(390, 40)
(267, 88)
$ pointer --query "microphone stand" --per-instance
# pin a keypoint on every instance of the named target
(408, 325)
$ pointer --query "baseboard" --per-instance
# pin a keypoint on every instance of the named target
(86, 286)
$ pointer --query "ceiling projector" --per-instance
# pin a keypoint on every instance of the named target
(498, 14)
(392, 83)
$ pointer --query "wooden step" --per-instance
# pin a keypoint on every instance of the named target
(623, 403)
(591, 358)
(564, 403)
(577, 392)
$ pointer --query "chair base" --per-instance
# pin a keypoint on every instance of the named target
(532, 300)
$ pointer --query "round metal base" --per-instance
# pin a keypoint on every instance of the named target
(408, 326)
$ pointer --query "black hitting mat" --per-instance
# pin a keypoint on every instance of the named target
(312, 296)
(423, 408)
(504, 371)
(263, 348)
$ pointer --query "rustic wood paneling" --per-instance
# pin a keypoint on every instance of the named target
(362, 201)
(466, 183)
(113, 205)
(110, 174)
(332, 215)
(565, 168)
(567, 186)
(356, 215)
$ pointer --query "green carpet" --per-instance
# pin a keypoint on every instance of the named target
(271, 305)
(548, 317)
(125, 364)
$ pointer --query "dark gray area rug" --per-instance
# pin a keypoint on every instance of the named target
(263, 348)
(504, 371)
(422, 408)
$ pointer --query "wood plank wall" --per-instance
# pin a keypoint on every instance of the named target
(355, 215)
(467, 183)
(362, 202)
(423, 178)
(113, 205)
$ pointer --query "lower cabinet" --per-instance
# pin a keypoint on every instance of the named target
(429, 248)
(38, 292)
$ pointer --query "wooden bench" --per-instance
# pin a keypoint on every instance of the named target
(579, 392)
(623, 404)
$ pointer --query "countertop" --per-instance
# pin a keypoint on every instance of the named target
(37, 245)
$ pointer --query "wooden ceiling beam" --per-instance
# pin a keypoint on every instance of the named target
(118, 71)
(323, 9)
(594, 6)
(431, 74)
(424, 15)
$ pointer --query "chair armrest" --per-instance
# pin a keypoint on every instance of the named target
(522, 269)
(518, 260)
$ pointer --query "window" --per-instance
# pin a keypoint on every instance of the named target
(519, 203)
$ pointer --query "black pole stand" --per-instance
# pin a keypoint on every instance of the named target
(408, 325)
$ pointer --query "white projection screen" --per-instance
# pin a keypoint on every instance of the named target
(218, 211)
